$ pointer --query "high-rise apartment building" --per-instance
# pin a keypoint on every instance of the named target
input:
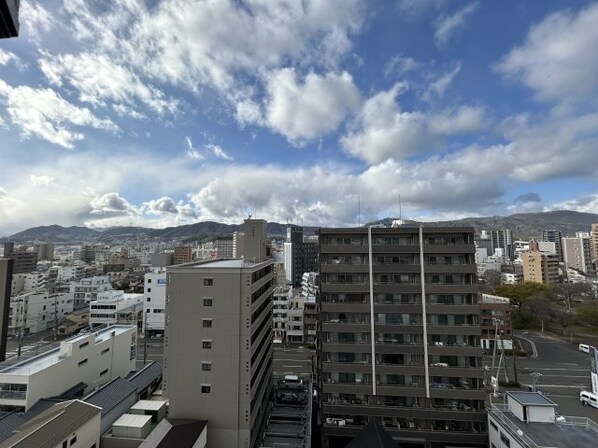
(23, 260)
(5, 287)
(503, 239)
(554, 236)
(218, 342)
(88, 254)
(224, 249)
(182, 255)
(577, 254)
(540, 267)
(9, 18)
(400, 335)
(594, 240)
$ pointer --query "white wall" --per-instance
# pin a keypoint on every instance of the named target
(154, 301)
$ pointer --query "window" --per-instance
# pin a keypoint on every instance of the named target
(103, 372)
(207, 323)
(207, 302)
(82, 362)
(207, 344)
(149, 299)
(73, 440)
(208, 281)
(493, 425)
(206, 388)
(85, 344)
(106, 350)
(65, 444)
(504, 439)
(149, 280)
(206, 366)
(149, 289)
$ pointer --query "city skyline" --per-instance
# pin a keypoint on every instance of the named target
(176, 112)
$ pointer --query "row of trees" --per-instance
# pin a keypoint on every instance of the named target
(534, 305)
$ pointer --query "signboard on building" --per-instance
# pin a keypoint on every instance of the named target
(161, 281)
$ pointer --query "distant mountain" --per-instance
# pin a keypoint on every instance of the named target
(524, 226)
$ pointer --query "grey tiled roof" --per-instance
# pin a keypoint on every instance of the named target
(10, 422)
(52, 426)
(179, 433)
(146, 376)
(111, 395)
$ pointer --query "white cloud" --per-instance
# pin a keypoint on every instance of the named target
(446, 26)
(41, 180)
(437, 87)
(45, 114)
(415, 9)
(585, 204)
(7, 56)
(112, 205)
(557, 60)
(401, 64)
(101, 81)
(35, 19)
(208, 150)
(382, 130)
(218, 152)
(191, 151)
(306, 110)
(162, 205)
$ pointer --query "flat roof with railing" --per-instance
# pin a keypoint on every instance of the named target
(53, 356)
(559, 434)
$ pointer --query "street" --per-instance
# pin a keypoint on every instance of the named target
(297, 361)
(564, 372)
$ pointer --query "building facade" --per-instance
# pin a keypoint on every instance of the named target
(495, 319)
(577, 254)
(503, 239)
(5, 291)
(540, 267)
(154, 304)
(299, 255)
(182, 255)
(218, 342)
(556, 237)
(87, 289)
(594, 240)
(38, 311)
(400, 335)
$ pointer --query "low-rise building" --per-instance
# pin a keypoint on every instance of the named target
(495, 320)
(28, 282)
(529, 419)
(87, 289)
(93, 359)
(154, 302)
(116, 307)
(74, 322)
(38, 311)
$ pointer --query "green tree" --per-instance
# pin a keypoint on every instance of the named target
(569, 292)
(522, 292)
(588, 315)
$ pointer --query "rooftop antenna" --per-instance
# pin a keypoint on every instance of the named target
(400, 208)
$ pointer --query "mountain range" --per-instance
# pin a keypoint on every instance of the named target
(524, 226)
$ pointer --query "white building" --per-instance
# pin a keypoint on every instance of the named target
(72, 273)
(115, 307)
(154, 303)
(528, 419)
(511, 278)
(87, 289)
(29, 282)
(93, 359)
(37, 311)
(288, 261)
(294, 324)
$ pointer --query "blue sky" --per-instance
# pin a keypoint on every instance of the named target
(164, 113)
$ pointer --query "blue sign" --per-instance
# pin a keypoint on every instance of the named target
(161, 281)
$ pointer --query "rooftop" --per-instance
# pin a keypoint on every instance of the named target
(53, 356)
(237, 263)
(531, 398)
(580, 431)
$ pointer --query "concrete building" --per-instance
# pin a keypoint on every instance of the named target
(294, 325)
(93, 359)
(400, 335)
(217, 342)
(577, 254)
(224, 249)
(529, 419)
(238, 244)
(540, 267)
(29, 282)
(495, 320)
(45, 251)
(87, 254)
(503, 239)
(73, 273)
(310, 286)
(87, 289)
(594, 240)
(113, 307)
(554, 236)
(155, 303)
(182, 255)
(38, 311)
(280, 307)
(5, 291)
(23, 260)
(161, 260)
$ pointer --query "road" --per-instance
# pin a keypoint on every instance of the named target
(293, 361)
(154, 349)
(564, 372)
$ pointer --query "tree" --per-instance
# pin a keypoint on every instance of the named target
(540, 307)
(491, 280)
(522, 292)
(569, 292)
(588, 315)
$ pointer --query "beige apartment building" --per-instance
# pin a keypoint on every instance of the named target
(218, 342)
(540, 267)
(577, 254)
(182, 255)
(594, 241)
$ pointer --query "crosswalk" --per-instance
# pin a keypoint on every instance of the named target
(24, 350)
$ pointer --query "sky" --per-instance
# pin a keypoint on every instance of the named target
(333, 112)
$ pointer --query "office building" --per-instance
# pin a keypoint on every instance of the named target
(93, 359)
(554, 236)
(577, 254)
(23, 261)
(540, 267)
(280, 307)
(299, 255)
(154, 304)
(113, 307)
(161, 260)
(218, 342)
(238, 244)
(5, 291)
(400, 335)
(224, 249)
(503, 239)
(182, 255)
(529, 419)
(9, 18)
(87, 289)
(88, 253)
(495, 320)
(310, 284)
